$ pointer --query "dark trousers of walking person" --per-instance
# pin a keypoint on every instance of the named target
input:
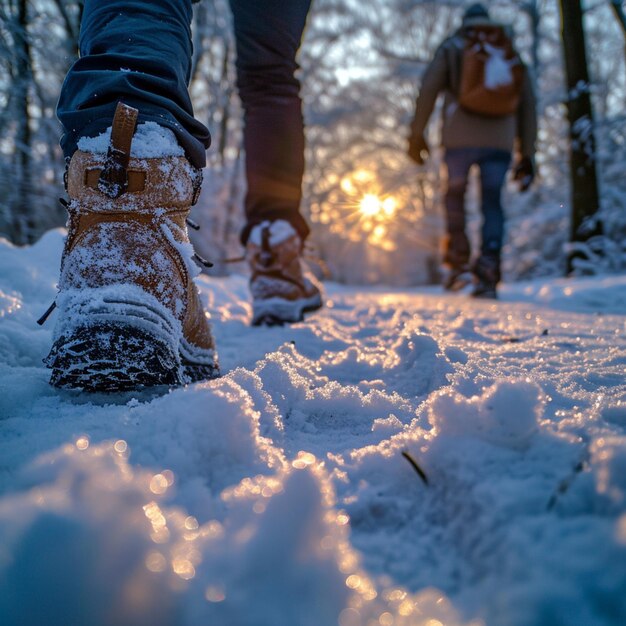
(493, 165)
(139, 51)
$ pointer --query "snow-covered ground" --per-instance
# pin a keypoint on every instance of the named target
(278, 495)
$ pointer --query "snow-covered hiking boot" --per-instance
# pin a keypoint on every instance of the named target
(129, 312)
(281, 292)
(456, 253)
(457, 278)
(486, 276)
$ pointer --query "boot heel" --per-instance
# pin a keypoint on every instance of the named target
(114, 339)
(112, 357)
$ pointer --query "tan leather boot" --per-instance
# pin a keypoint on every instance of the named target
(281, 291)
(129, 312)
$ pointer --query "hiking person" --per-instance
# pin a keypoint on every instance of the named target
(488, 109)
(129, 313)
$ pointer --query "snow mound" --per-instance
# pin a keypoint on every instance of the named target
(109, 545)
(506, 414)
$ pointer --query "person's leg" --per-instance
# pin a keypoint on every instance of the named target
(129, 314)
(268, 35)
(139, 52)
(457, 247)
(494, 165)
(493, 168)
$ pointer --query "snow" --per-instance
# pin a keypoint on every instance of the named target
(279, 495)
(149, 141)
(497, 68)
(279, 231)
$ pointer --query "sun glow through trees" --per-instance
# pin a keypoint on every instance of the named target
(371, 205)
(368, 213)
(360, 208)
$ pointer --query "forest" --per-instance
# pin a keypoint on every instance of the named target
(376, 217)
(403, 456)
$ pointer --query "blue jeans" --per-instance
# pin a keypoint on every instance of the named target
(493, 166)
(139, 51)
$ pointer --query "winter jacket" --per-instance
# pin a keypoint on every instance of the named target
(462, 129)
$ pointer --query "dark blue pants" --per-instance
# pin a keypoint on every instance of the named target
(493, 166)
(139, 51)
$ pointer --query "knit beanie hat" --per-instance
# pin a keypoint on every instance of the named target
(475, 11)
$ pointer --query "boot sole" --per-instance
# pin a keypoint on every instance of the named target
(120, 357)
(278, 311)
(459, 283)
(125, 345)
(112, 357)
(485, 294)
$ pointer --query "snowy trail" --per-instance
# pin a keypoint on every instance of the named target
(278, 494)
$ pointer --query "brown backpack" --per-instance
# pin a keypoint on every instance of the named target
(491, 72)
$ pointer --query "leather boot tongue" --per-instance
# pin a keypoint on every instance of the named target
(113, 180)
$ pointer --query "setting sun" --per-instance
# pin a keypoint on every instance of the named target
(370, 204)
(360, 211)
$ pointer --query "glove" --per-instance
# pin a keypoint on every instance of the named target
(418, 149)
(524, 173)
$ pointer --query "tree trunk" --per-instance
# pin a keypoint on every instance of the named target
(23, 210)
(585, 202)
